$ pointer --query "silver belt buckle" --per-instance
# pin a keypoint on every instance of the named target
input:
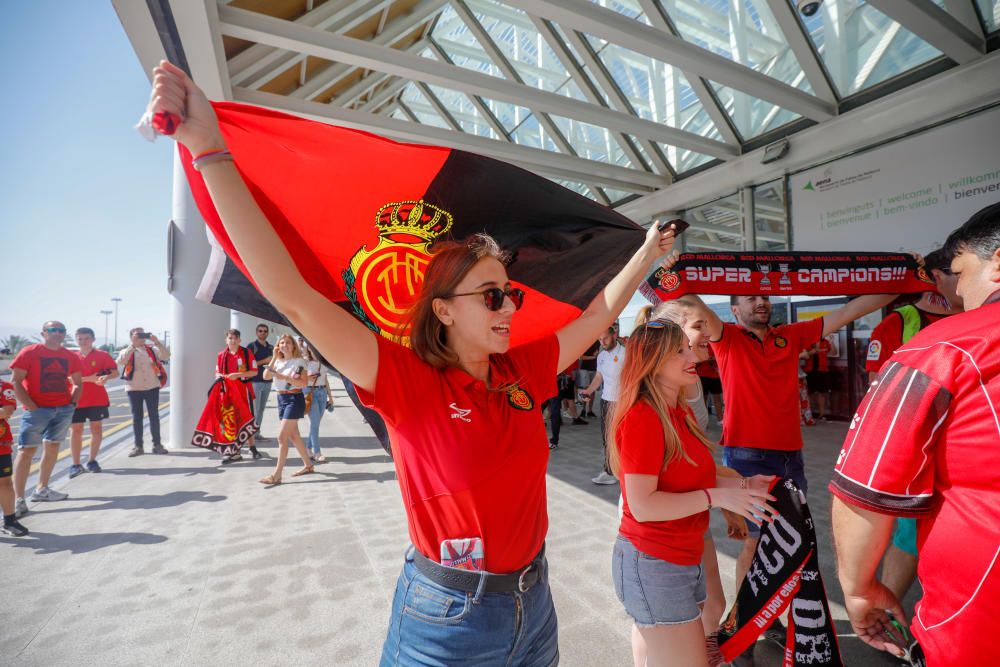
(520, 580)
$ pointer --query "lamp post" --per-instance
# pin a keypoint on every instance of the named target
(106, 313)
(117, 300)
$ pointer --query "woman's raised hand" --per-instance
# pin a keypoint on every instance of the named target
(175, 93)
(749, 503)
(659, 243)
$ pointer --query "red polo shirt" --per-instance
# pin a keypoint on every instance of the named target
(95, 395)
(48, 372)
(640, 441)
(761, 384)
(471, 461)
(887, 336)
(925, 443)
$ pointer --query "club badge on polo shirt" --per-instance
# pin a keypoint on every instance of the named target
(460, 413)
(519, 398)
(780, 341)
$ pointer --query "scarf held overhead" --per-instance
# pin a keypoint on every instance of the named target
(226, 423)
(783, 574)
(788, 273)
(358, 214)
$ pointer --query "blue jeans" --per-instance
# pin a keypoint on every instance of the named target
(44, 425)
(750, 461)
(261, 390)
(432, 625)
(316, 411)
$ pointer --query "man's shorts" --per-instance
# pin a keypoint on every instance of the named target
(904, 535)
(6, 465)
(94, 413)
(44, 425)
(818, 381)
(750, 461)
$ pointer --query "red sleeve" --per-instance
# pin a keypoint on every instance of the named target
(640, 442)
(402, 378)
(720, 348)
(887, 462)
(23, 359)
(107, 363)
(803, 335)
(885, 339)
(539, 359)
(7, 395)
(75, 365)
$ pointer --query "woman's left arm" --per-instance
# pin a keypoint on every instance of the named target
(578, 335)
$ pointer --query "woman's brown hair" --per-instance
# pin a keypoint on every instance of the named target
(450, 262)
(645, 353)
(296, 352)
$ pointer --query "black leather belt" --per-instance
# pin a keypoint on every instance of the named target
(467, 580)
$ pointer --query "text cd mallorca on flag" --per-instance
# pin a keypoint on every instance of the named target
(358, 214)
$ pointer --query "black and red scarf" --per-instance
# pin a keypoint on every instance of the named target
(784, 574)
(129, 372)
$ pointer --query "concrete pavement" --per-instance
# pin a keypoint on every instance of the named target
(176, 560)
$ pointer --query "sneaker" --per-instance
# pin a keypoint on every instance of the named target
(45, 494)
(565, 413)
(591, 415)
(159, 449)
(604, 479)
(256, 454)
(232, 459)
(93, 466)
(14, 529)
(580, 422)
(20, 508)
(75, 469)
(553, 444)
(318, 458)
(136, 451)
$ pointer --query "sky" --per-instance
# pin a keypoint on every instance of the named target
(86, 199)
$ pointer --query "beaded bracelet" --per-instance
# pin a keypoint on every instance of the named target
(709, 496)
(743, 482)
(208, 157)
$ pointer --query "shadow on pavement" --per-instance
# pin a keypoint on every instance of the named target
(144, 502)
(186, 472)
(48, 543)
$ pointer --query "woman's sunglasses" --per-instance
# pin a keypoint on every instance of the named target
(494, 296)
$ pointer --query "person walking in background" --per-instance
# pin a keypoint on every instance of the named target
(288, 370)
(669, 482)
(97, 367)
(610, 361)
(144, 374)
(47, 382)
(262, 352)
(8, 404)
(236, 363)
(318, 399)
(818, 378)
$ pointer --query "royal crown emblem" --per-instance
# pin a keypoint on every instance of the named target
(383, 283)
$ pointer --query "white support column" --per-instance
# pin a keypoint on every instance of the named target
(196, 327)
(246, 324)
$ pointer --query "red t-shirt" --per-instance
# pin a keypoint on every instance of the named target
(95, 395)
(925, 443)
(708, 368)
(760, 381)
(242, 361)
(820, 360)
(640, 441)
(887, 336)
(48, 372)
(470, 461)
(7, 397)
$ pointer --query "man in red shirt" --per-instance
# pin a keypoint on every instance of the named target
(759, 365)
(8, 404)
(97, 367)
(924, 444)
(238, 363)
(41, 379)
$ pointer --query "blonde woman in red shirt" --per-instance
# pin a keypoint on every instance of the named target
(669, 482)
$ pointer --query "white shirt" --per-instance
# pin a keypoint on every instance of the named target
(609, 365)
(696, 399)
(288, 367)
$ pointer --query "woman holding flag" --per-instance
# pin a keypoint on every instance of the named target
(462, 406)
(669, 482)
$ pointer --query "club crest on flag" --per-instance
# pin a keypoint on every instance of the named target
(227, 423)
(383, 283)
(519, 398)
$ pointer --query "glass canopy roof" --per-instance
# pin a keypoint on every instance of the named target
(632, 94)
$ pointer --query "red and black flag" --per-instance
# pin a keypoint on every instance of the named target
(358, 212)
(226, 423)
(788, 273)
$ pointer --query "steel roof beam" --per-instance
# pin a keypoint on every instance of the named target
(284, 34)
(802, 47)
(935, 26)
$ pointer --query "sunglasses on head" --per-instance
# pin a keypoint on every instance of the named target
(55, 329)
(493, 297)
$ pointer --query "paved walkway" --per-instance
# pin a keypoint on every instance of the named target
(175, 560)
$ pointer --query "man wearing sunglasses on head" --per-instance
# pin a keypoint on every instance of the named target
(42, 374)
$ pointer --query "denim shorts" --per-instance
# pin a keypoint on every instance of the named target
(750, 461)
(432, 624)
(904, 535)
(654, 591)
(44, 425)
(291, 406)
